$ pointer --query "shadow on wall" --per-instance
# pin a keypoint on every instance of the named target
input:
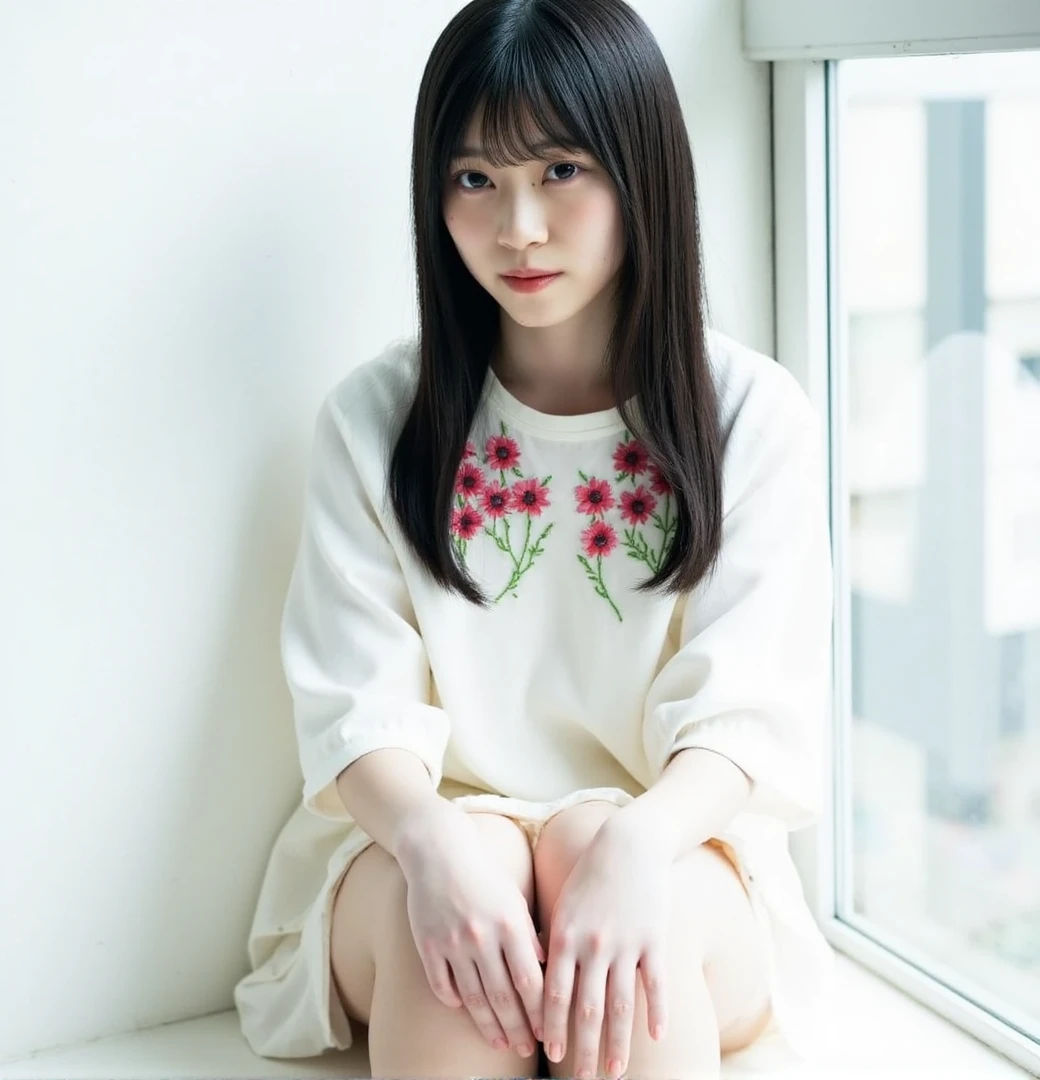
(245, 782)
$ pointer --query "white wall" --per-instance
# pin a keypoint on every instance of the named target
(204, 213)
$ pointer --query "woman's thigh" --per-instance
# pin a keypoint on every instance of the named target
(717, 927)
(372, 896)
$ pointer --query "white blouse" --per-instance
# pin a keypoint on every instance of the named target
(570, 679)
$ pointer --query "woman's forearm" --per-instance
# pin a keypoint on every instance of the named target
(384, 790)
(696, 796)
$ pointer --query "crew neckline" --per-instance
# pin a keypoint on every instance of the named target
(580, 425)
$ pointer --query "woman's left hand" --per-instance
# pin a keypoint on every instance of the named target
(611, 918)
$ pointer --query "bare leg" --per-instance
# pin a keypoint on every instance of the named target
(383, 984)
(717, 977)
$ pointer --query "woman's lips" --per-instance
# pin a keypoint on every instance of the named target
(530, 284)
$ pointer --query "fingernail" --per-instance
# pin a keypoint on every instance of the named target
(524, 1050)
(499, 1043)
(538, 1033)
(613, 1067)
(657, 1032)
(553, 1052)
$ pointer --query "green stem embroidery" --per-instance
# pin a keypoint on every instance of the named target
(457, 542)
(639, 549)
(503, 545)
(666, 528)
(596, 577)
(523, 562)
(519, 569)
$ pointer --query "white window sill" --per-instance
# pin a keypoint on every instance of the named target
(883, 1034)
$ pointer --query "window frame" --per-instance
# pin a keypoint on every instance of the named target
(810, 341)
(825, 30)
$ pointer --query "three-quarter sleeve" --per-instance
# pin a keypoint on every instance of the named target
(750, 679)
(355, 663)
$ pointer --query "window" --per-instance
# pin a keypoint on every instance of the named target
(938, 243)
(908, 304)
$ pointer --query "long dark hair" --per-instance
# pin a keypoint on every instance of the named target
(592, 77)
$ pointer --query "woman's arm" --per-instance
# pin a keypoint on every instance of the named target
(354, 659)
(750, 679)
(697, 796)
(384, 791)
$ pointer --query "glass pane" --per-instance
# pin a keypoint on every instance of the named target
(939, 241)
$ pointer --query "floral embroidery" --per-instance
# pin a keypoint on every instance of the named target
(470, 481)
(465, 522)
(630, 459)
(495, 500)
(530, 497)
(640, 506)
(658, 484)
(503, 452)
(493, 496)
(526, 497)
(637, 507)
(595, 498)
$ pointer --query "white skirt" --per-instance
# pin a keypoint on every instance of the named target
(288, 1004)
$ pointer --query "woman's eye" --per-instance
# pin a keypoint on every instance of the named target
(567, 165)
(469, 172)
(572, 172)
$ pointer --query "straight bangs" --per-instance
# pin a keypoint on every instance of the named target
(522, 116)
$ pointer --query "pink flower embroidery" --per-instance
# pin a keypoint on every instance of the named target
(599, 539)
(470, 480)
(495, 500)
(496, 505)
(658, 484)
(595, 497)
(530, 496)
(630, 459)
(465, 522)
(637, 506)
(503, 453)
(639, 496)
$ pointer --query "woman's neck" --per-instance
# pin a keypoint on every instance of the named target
(556, 369)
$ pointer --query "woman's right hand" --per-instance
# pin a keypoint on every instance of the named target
(472, 926)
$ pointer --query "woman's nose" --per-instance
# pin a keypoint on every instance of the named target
(523, 221)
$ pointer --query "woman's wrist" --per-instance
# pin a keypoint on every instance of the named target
(644, 822)
(422, 828)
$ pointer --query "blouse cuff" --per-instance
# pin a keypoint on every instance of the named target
(784, 784)
(425, 736)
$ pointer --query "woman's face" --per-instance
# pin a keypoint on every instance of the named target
(561, 214)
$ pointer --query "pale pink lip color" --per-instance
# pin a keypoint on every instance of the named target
(530, 284)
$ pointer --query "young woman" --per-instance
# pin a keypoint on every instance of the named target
(558, 631)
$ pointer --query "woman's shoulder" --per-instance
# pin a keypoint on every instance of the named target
(754, 391)
(373, 398)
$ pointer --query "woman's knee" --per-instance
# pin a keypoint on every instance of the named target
(509, 843)
(371, 886)
(563, 839)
